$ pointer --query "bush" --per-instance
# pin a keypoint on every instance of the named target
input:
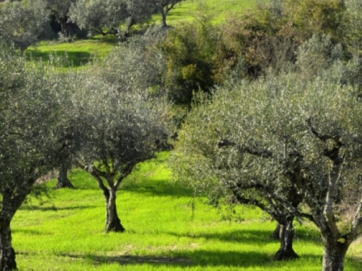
(190, 52)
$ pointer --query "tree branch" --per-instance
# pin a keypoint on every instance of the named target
(125, 172)
(356, 222)
(242, 149)
(324, 138)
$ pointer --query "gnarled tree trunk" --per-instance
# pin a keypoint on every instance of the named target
(276, 233)
(334, 254)
(286, 251)
(113, 223)
(7, 253)
(163, 18)
(63, 180)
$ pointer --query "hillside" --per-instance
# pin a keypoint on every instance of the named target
(166, 229)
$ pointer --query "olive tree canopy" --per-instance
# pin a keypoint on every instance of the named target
(117, 124)
(106, 16)
(32, 143)
(260, 141)
(23, 24)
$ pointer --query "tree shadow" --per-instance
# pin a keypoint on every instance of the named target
(29, 231)
(55, 208)
(200, 258)
(184, 259)
(67, 59)
(158, 188)
(249, 236)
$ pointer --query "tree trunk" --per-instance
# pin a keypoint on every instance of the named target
(163, 18)
(286, 251)
(7, 253)
(63, 180)
(276, 233)
(334, 254)
(113, 223)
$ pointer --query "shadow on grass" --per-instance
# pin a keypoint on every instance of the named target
(71, 59)
(202, 258)
(30, 232)
(183, 259)
(158, 188)
(110, 39)
(235, 236)
(55, 208)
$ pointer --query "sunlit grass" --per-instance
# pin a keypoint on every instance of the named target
(167, 229)
(217, 9)
(80, 52)
(77, 53)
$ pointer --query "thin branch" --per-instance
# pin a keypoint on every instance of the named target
(357, 222)
(324, 138)
(265, 153)
(125, 172)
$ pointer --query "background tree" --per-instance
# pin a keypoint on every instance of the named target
(117, 130)
(58, 16)
(136, 64)
(274, 127)
(164, 7)
(190, 56)
(29, 125)
(106, 17)
(23, 24)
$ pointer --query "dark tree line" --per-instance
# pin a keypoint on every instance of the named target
(25, 24)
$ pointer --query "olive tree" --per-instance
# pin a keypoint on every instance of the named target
(277, 136)
(136, 64)
(106, 17)
(116, 130)
(22, 24)
(30, 136)
(57, 13)
(164, 7)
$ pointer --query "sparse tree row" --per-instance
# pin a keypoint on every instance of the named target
(263, 110)
(50, 119)
(23, 24)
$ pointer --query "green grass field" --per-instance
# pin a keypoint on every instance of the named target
(167, 229)
(79, 52)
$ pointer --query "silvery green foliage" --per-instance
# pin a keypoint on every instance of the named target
(106, 16)
(22, 24)
(353, 24)
(32, 121)
(118, 127)
(115, 130)
(135, 65)
(60, 8)
(257, 134)
(164, 7)
(98, 14)
(31, 134)
(317, 54)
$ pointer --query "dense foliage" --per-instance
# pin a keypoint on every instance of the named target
(270, 103)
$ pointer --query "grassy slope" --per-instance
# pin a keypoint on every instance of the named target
(79, 52)
(167, 229)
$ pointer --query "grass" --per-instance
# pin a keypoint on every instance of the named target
(80, 52)
(218, 9)
(167, 229)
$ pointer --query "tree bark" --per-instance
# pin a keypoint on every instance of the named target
(63, 180)
(113, 223)
(276, 233)
(7, 253)
(163, 18)
(334, 254)
(286, 251)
